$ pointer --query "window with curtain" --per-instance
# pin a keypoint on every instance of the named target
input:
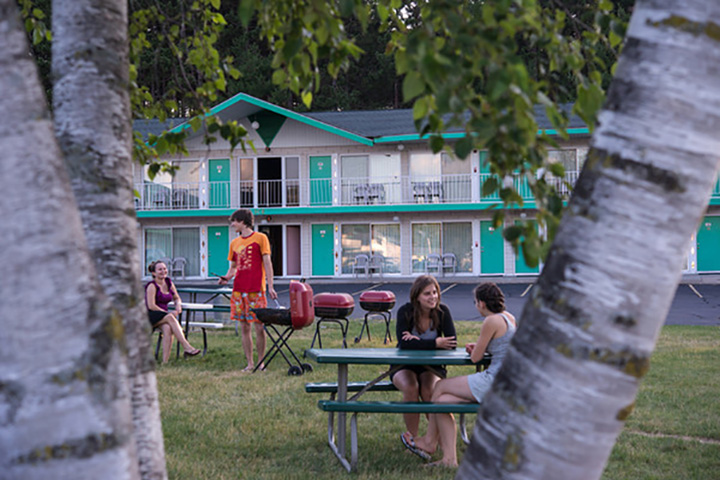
(172, 243)
(292, 181)
(385, 175)
(425, 240)
(353, 178)
(158, 244)
(246, 182)
(186, 244)
(386, 242)
(380, 239)
(456, 182)
(457, 239)
(425, 167)
(354, 240)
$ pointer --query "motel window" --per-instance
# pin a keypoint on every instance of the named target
(368, 239)
(173, 243)
(440, 238)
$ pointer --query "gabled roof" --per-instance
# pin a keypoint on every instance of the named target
(367, 127)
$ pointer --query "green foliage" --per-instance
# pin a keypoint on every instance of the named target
(302, 35)
(183, 37)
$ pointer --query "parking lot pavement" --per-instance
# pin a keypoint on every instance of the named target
(693, 304)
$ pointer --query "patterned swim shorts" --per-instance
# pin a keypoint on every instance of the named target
(241, 303)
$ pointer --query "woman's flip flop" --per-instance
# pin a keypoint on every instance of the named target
(410, 445)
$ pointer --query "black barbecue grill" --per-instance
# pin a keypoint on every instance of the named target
(299, 315)
(333, 308)
(377, 303)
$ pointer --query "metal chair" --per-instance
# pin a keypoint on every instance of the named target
(449, 262)
(362, 264)
(178, 266)
(376, 264)
(360, 194)
(433, 261)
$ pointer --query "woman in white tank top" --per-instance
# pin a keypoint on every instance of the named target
(497, 330)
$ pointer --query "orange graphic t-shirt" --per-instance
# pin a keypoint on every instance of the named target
(247, 253)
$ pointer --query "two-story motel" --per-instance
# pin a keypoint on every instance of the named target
(330, 187)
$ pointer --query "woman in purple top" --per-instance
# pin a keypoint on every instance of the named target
(159, 292)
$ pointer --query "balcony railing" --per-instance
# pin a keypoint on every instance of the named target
(395, 190)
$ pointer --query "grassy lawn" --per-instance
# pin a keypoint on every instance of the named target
(220, 423)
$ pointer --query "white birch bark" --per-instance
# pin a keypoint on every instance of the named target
(93, 127)
(586, 335)
(64, 400)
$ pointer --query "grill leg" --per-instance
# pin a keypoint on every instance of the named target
(388, 335)
(277, 345)
(343, 322)
(364, 326)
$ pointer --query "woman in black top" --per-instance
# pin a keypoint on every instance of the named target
(422, 324)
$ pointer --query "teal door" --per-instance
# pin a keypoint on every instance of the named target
(321, 180)
(218, 245)
(219, 177)
(323, 257)
(520, 265)
(492, 251)
(708, 245)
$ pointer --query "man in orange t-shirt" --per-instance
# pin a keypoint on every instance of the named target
(251, 265)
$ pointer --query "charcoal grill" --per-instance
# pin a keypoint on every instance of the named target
(300, 315)
(377, 303)
(332, 308)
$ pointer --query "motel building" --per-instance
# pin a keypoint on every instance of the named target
(346, 194)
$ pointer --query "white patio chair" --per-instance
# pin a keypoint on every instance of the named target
(178, 266)
(361, 264)
(449, 263)
(376, 264)
(433, 262)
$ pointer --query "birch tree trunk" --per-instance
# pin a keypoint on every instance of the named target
(64, 397)
(587, 333)
(93, 127)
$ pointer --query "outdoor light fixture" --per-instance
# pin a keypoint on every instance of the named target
(255, 125)
(401, 147)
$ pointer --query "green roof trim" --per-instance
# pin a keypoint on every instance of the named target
(415, 136)
(456, 135)
(242, 97)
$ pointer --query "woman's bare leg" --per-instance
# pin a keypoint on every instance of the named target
(441, 427)
(166, 341)
(177, 331)
(407, 382)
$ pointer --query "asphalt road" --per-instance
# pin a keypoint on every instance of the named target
(692, 305)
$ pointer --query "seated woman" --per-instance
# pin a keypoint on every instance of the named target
(422, 324)
(159, 292)
(497, 330)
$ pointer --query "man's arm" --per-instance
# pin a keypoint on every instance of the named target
(223, 279)
(269, 274)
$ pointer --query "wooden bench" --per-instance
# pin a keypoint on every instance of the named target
(354, 407)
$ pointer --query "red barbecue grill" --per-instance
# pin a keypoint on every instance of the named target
(334, 308)
(377, 303)
(300, 315)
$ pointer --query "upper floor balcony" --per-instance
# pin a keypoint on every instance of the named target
(349, 192)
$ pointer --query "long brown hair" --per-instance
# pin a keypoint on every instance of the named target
(420, 284)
